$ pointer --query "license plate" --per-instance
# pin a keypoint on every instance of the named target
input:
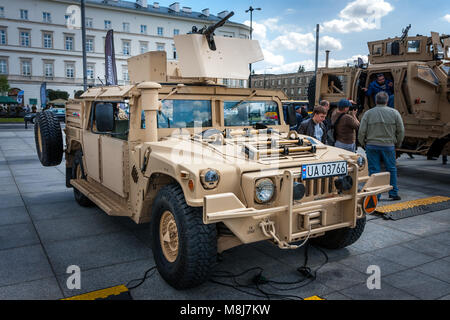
(322, 170)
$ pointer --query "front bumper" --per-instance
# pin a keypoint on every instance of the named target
(292, 220)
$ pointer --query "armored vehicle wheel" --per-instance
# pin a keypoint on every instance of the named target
(312, 89)
(341, 238)
(48, 138)
(185, 249)
(78, 173)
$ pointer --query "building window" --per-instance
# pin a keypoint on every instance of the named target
(70, 70)
(3, 66)
(48, 40)
(241, 83)
(176, 32)
(299, 90)
(126, 47)
(125, 76)
(126, 27)
(46, 17)
(68, 43)
(89, 23)
(174, 50)
(226, 82)
(160, 47)
(24, 38)
(90, 72)
(23, 14)
(3, 36)
(26, 68)
(48, 69)
(143, 47)
(143, 29)
(160, 31)
(107, 24)
(2, 12)
(293, 81)
(89, 44)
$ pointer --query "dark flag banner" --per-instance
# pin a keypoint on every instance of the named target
(43, 94)
(110, 60)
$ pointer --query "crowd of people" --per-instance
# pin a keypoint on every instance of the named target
(380, 131)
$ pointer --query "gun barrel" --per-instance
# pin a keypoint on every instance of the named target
(211, 29)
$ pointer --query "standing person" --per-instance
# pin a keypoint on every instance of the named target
(345, 125)
(314, 126)
(327, 121)
(380, 132)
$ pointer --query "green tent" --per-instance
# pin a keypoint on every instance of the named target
(7, 100)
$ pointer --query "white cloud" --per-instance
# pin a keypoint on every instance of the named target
(447, 18)
(272, 59)
(329, 43)
(359, 15)
(290, 11)
(259, 30)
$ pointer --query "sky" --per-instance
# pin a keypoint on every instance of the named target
(286, 28)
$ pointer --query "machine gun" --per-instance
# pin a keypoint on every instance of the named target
(405, 33)
(208, 32)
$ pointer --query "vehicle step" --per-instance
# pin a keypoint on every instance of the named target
(109, 202)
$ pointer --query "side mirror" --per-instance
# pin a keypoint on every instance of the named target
(291, 117)
(104, 117)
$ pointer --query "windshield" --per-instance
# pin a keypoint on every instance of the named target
(185, 114)
(249, 113)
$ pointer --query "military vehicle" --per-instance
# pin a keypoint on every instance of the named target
(209, 167)
(419, 69)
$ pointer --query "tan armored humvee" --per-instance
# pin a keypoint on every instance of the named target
(208, 166)
(419, 68)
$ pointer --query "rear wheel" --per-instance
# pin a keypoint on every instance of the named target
(341, 238)
(184, 248)
(78, 173)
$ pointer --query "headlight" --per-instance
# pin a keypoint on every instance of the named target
(264, 190)
(209, 178)
(361, 162)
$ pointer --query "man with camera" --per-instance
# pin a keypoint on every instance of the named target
(380, 132)
(345, 125)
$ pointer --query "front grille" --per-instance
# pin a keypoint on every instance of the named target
(323, 187)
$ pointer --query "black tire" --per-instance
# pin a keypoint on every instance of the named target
(78, 172)
(48, 138)
(341, 238)
(196, 252)
(312, 89)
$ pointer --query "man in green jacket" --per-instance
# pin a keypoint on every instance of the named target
(382, 130)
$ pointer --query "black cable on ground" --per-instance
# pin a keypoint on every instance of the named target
(255, 286)
(142, 280)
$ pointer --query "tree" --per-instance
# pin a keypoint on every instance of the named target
(4, 85)
(53, 95)
(78, 94)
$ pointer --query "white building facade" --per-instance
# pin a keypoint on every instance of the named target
(41, 41)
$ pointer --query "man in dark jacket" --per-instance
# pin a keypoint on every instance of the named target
(379, 85)
(314, 127)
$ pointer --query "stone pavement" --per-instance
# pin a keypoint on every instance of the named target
(43, 231)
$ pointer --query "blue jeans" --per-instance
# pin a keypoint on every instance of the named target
(348, 147)
(376, 154)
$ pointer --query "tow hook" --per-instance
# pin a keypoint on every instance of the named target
(268, 228)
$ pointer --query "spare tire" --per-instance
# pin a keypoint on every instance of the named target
(48, 137)
(312, 88)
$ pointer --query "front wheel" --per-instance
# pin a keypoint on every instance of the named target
(341, 238)
(184, 248)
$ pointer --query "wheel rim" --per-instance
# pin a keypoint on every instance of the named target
(168, 235)
(39, 139)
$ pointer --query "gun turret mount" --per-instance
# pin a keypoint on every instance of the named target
(208, 32)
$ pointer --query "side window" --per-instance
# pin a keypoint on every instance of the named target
(413, 46)
(427, 74)
(377, 49)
